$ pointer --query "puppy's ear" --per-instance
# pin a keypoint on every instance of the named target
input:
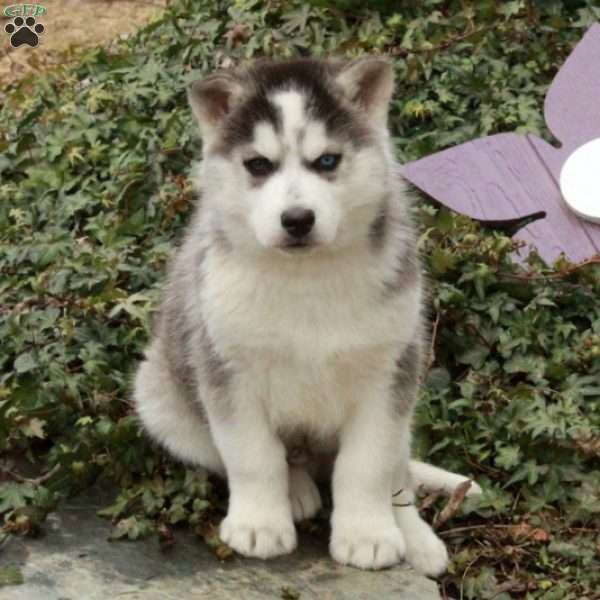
(212, 99)
(369, 83)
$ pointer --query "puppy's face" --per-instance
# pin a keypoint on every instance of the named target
(295, 152)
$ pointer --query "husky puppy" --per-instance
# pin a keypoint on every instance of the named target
(290, 335)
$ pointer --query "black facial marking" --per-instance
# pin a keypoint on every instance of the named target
(239, 126)
(314, 80)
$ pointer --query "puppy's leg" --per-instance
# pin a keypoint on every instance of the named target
(363, 531)
(304, 494)
(433, 479)
(259, 520)
(424, 550)
(170, 416)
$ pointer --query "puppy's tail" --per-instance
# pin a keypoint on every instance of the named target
(435, 479)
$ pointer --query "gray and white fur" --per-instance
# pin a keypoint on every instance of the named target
(289, 341)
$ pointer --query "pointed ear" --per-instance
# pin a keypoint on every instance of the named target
(212, 99)
(369, 83)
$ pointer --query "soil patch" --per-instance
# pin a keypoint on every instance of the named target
(71, 25)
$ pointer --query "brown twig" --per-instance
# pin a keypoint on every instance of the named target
(472, 528)
(464, 575)
(37, 480)
(512, 585)
(434, 330)
(453, 505)
(481, 467)
(595, 260)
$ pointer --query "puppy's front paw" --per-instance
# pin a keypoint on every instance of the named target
(259, 537)
(304, 495)
(425, 552)
(366, 547)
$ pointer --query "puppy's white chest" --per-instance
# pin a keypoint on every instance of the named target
(305, 319)
(308, 347)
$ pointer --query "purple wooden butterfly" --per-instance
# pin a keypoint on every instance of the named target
(507, 176)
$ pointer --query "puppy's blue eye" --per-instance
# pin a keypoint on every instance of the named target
(327, 162)
(259, 166)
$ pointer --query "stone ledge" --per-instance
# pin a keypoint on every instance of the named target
(74, 561)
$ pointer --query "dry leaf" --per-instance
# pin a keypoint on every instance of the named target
(236, 35)
(526, 531)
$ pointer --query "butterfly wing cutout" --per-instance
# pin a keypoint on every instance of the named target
(508, 176)
(501, 177)
(572, 105)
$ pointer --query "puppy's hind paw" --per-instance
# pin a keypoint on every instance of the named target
(304, 495)
(475, 489)
(426, 553)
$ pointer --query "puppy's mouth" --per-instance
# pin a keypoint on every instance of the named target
(297, 246)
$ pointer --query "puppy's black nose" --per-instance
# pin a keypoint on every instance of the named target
(297, 221)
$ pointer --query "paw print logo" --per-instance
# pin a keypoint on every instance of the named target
(24, 31)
